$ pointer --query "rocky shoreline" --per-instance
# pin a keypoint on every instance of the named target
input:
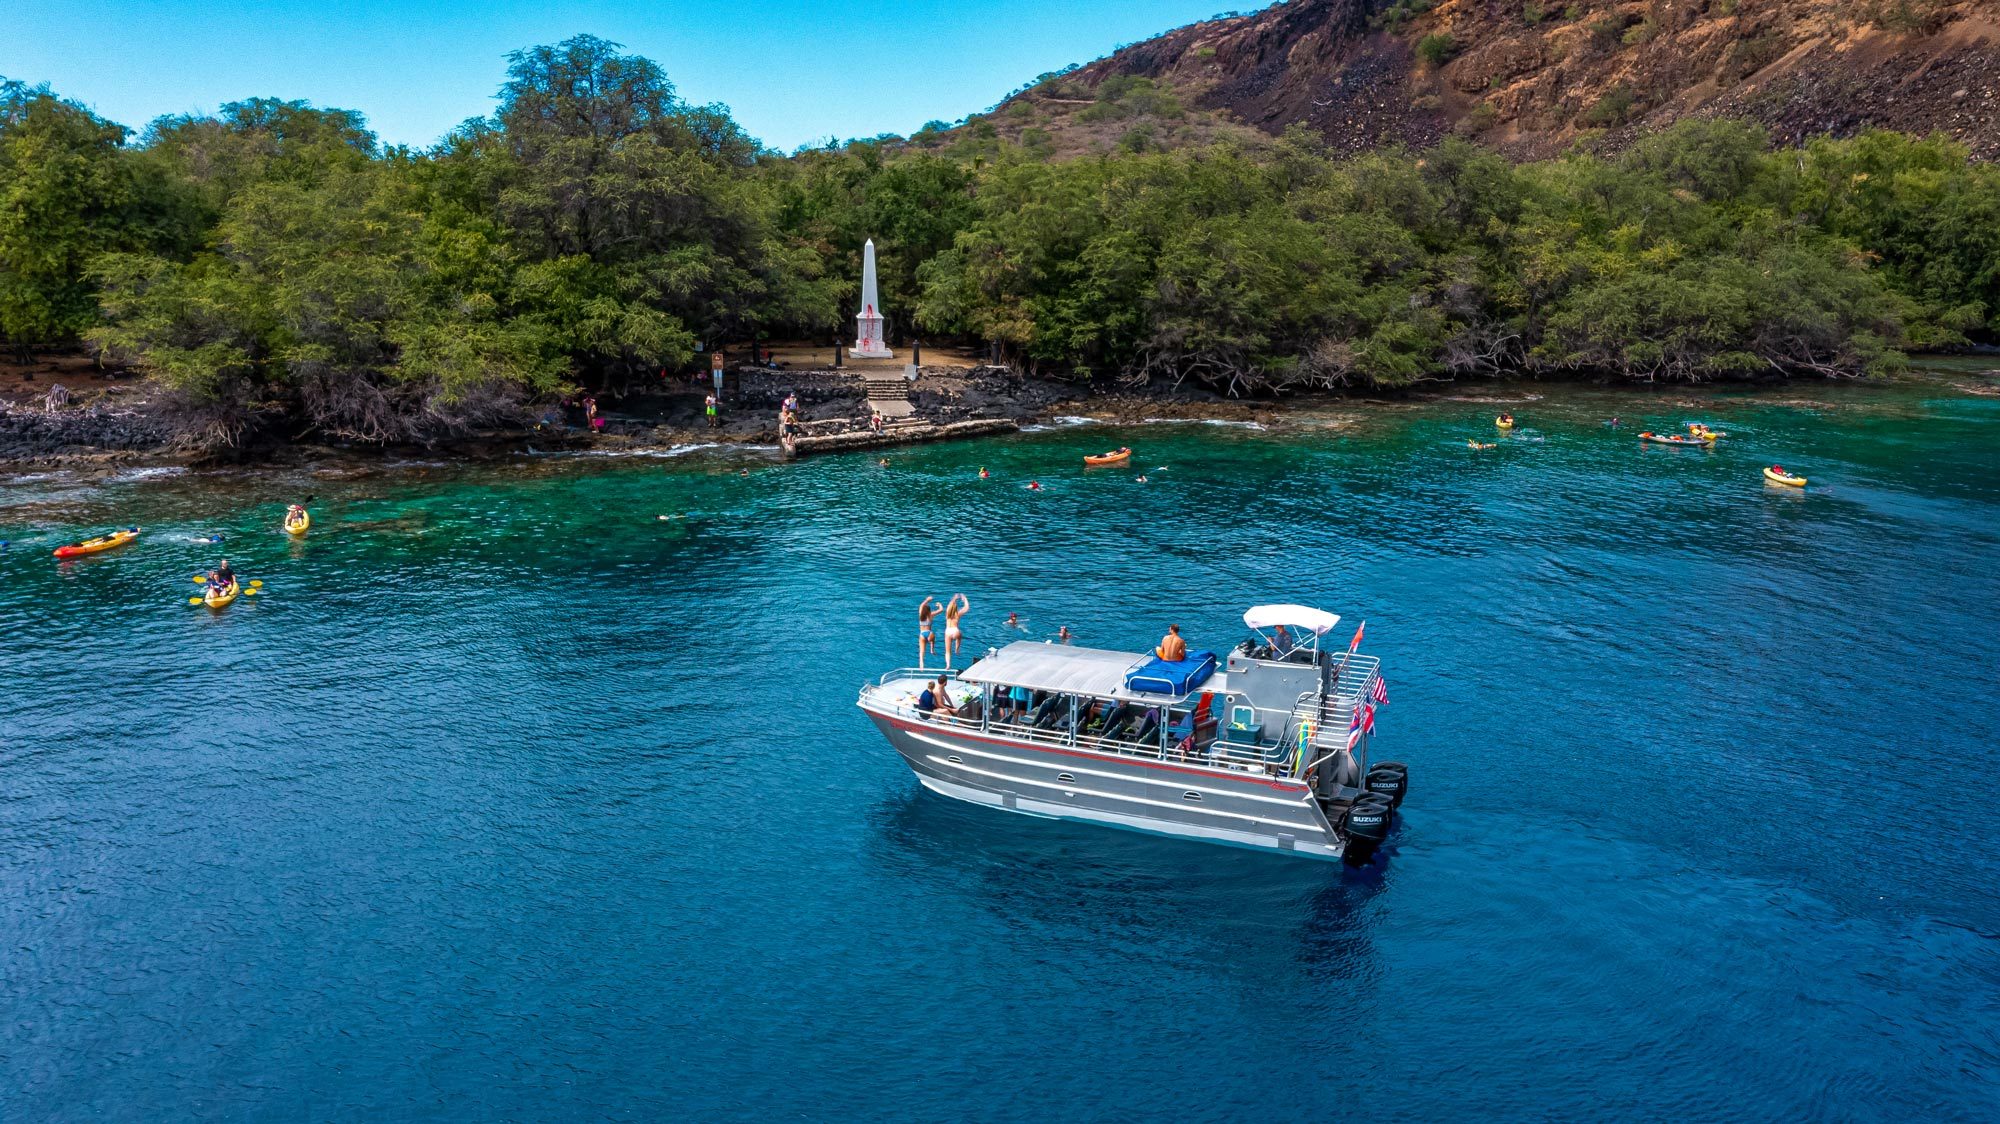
(835, 414)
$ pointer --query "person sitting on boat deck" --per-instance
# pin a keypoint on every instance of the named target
(1090, 717)
(943, 696)
(1172, 648)
(926, 702)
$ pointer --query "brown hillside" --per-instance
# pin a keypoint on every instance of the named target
(1532, 77)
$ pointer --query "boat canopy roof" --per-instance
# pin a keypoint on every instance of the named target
(1040, 666)
(1305, 617)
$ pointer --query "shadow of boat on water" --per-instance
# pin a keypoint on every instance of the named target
(1241, 909)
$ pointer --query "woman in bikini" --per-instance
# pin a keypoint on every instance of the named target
(953, 610)
(925, 644)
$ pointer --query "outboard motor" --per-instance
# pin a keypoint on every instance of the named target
(1388, 782)
(1366, 826)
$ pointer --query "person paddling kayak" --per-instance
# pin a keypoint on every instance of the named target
(222, 577)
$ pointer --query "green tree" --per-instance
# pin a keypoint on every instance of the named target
(66, 193)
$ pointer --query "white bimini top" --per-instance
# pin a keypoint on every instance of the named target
(1302, 617)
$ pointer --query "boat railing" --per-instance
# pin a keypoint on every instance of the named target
(925, 673)
(1273, 752)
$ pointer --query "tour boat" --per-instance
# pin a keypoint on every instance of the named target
(1269, 750)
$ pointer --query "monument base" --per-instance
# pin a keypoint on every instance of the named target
(868, 336)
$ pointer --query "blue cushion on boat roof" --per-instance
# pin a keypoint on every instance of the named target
(1171, 677)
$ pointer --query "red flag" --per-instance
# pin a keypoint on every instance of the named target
(1368, 719)
(1356, 642)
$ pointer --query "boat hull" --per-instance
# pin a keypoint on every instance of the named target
(1067, 783)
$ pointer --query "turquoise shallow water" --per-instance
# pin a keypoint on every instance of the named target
(510, 801)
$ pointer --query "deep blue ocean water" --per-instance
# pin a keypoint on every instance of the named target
(509, 801)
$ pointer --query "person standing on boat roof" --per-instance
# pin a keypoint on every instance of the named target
(1172, 648)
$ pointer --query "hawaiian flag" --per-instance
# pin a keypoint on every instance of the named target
(1380, 691)
(1354, 729)
(1368, 719)
(1355, 644)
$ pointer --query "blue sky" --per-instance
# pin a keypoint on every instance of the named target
(792, 72)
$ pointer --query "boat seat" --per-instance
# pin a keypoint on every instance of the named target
(1195, 722)
(1113, 718)
(1147, 728)
(1049, 712)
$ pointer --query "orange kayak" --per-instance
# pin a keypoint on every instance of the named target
(1668, 439)
(1118, 457)
(101, 542)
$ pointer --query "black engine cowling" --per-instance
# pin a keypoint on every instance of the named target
(1389, 783)
(1367, 823)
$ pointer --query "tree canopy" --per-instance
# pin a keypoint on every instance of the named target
(273, 265)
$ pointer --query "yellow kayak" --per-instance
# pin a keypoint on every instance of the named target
(100, 543)
(298, 526)
(217, 599)
(1779, 476)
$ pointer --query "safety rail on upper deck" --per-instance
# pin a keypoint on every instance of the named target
(925, 673)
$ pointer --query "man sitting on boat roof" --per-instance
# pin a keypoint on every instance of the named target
(1172, 648)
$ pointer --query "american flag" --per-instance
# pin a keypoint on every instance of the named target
(1368, 719)
(1380, 691)
(1354, 729)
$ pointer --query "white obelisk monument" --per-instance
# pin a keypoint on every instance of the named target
(868, 343)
